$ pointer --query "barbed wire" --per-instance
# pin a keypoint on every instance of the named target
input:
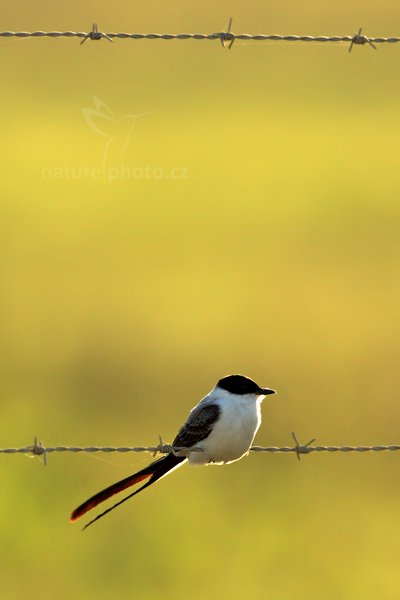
(227, 37)
(38, 449)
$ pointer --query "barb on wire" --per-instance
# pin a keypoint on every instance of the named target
(95, 34)
(358, 38)
(38, 449)
(301, 449)
(227, 38)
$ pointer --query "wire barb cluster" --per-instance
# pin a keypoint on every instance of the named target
(95, 34)
(227, 38)
(38, 449)
(360, 39)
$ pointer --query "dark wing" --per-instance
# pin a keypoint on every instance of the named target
(198, 426)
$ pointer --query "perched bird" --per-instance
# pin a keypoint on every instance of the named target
(222, 425)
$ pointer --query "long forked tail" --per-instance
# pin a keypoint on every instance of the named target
(153, 472)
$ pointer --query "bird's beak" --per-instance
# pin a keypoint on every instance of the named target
(266, 391)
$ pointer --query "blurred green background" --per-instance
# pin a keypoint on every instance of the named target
(248, 223)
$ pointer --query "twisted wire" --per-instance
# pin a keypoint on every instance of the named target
(38, 449)
(226, 37)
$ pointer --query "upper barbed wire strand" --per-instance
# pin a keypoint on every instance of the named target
(224, 36)
(38, 449)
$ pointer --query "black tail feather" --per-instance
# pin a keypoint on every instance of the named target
(154, 471)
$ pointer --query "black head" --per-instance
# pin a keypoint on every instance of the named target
(239, 384)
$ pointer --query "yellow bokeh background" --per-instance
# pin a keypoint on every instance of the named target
(247, 222)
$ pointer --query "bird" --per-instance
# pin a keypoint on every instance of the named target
(219, 430)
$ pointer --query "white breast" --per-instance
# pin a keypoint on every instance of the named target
(233, 433)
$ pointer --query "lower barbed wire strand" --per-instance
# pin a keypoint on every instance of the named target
(39, 448)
